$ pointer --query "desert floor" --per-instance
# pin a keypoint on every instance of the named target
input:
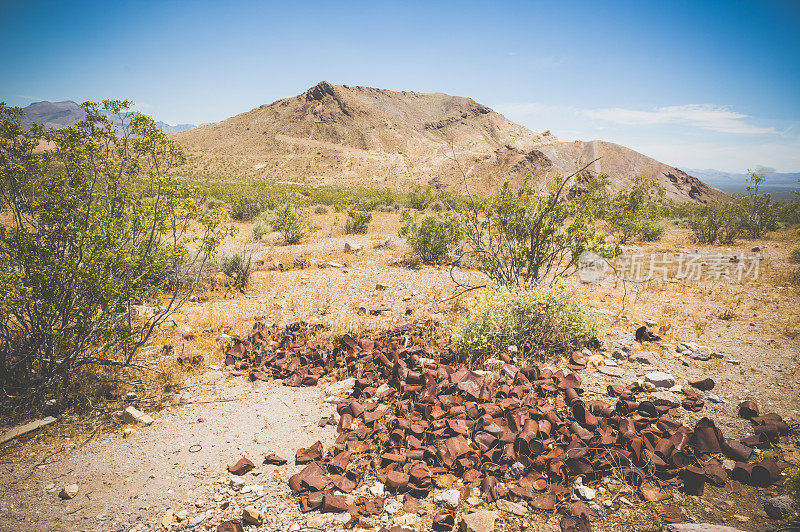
(172, 474)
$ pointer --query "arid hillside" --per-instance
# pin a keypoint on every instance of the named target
(335, 134)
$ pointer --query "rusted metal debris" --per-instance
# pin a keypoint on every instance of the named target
(416, 414)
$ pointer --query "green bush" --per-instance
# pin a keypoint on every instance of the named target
(357, 222)
(320, 209)
(652, 230)
(419, 197)
(433, 240)
(238, 267)
(290, 221)
(635, 212)
(261, 228)
(550, 317)
(520, 237)
(245, 209)
(87, 240)
(759, 212)
(794, 255)
(716, 222)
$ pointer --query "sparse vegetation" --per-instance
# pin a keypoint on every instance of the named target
(434, 240)
(261, 228)
(357, 221)
(291, 222)
(543, 318)
(320, 209)
(794, 255)
(238, 267)
(635, 212)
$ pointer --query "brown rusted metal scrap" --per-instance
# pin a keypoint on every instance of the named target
(520, 433)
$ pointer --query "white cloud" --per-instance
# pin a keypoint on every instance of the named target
(711, 117)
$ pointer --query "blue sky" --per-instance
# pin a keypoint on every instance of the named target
(694, 84)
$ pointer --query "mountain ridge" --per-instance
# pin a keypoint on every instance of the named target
(68, 113)
(338, 134)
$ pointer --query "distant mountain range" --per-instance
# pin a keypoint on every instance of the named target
(777, 183)
(69, 113)
(356, 136)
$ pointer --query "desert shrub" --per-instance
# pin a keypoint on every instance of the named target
(291, 222)
(238, 267)
(96, 227)
(652, 230)
(759, 212)
(213, 203)
(357, 221)
(546, 317)
(794, 255)
(433, 240)
(320, 209)
(635, 212)
(520, 237)
(419, 197)
(245, 208)
(716, 222)
(437, 206)
(261, 228)
(384, 208)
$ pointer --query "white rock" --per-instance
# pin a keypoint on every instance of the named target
(69, 491)
(447, 499)
(341, 519)
(236, 483)
(377, 489)
(585, 492)
(341, 387)
(133, 415)
(295, 528)
(714, 398)
(659, 379)
(393, 506)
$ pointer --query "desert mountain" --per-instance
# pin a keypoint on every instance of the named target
(69, 113)
(367, 136)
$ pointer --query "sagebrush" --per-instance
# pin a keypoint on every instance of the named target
(544, 318)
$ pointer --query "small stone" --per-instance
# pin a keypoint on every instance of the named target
(646, 357)
(197, 519)
(168, 518)
(252, 515)
(341, 387)
(779, 507)
(585, 492)
(511, 507)
(734, 361)
(127, 432)
(295, 528)
(236, 483)
(407, 520)
(133, 415)
(69, 491)
(377, 489)
(714, 398)
(447, 499)
(701, 354)
(381, 286)
(182, 515)
(480, 521)
(659, 379)
(473, 501)
(392, 507)
(665, 398)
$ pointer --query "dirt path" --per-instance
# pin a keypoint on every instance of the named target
(177, 463)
